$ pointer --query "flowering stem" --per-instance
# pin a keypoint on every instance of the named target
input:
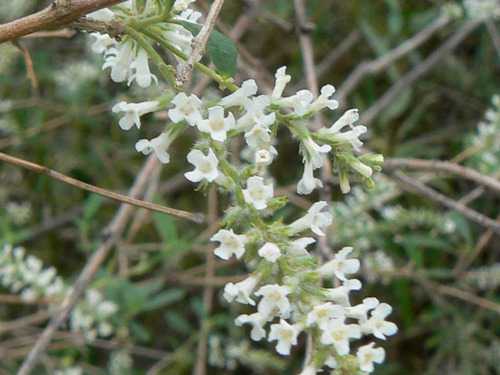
(152, 53)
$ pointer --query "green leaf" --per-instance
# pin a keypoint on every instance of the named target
(220, 48)
(164, 299)
(178, 322)
(165, 225)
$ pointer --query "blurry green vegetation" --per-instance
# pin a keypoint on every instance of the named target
(68, 126)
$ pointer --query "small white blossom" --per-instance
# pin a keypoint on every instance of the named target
(256, 113)
(263, 157)
(377, 324)
(339, 265)
(340, 294)
(314, 219)
(205, 166)
(258, 136)
(186, 108)
(241, 291)
(281, 81)
(322, 314)
(286, 335)
(257, 193)
(308, 183)
(274, 300)
(119, 58)
(317, 154)
(331, 362)
(300, 102)
(298, 247)
(217, 125)
(348, 118)
(102, 42)
(230, 243)
(360, 311)
(158, 144)
(133, 112)
(142, 75)
(367, 354)
(257, 321)
(324, 100)
(338, 333)
(238, 98)
(270, 252)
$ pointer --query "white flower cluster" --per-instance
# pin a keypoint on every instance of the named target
(27, 277)
(327, 314)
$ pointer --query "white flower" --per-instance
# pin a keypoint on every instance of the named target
(274, 300)
(133, 112)
(314, 219)
(257, 193)
(322, 314)
(263, 157)
(331, 362)
(281, 80)
(230, 243)
(286, 335)
(351, 136)
(361, 168)
(205, 166)
(298, 247)
(270, 252)
(316, 153)
(159, 145)
(102, 42)
(300, 102)
(360, 311)
(257, 321)
(217, 125)
(186, 108)
(377, 324)
(308, 183)
(106, 308)
(324, 100)
(142, 74)
(241, 291)
(348, 118)
(255, 113)
(119, 58)
(367, 354)
(338, 333)
(258, 136)
(340, 294)
(339, 265)
(238, 98)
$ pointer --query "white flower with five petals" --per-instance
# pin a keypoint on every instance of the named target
(339, 265)
(286, 335)
(133, 112)
(367, 355)
(205, 166)
(216, 125)
(257, 193)
(314, 219)
(274, 301)
(230, 243)
(377, 325)
(186, 108)
(338, 333)
(270, 252)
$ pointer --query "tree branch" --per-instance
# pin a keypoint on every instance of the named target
(54, 15)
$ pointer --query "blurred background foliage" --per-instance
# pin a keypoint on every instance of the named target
(416, 254)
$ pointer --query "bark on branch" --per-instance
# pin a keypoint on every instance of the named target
(55, 15)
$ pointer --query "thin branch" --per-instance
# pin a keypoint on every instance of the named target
(208, 294)
(199, 42)
(111, 234)
(194, 217)
(375, 66)
(55, 15)
(36, 318)
(418, 188)
(418, 71)
(444, 166)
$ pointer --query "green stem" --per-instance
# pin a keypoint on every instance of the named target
(143, 43)
(163, 16)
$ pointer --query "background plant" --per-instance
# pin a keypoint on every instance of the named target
(426, 248)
